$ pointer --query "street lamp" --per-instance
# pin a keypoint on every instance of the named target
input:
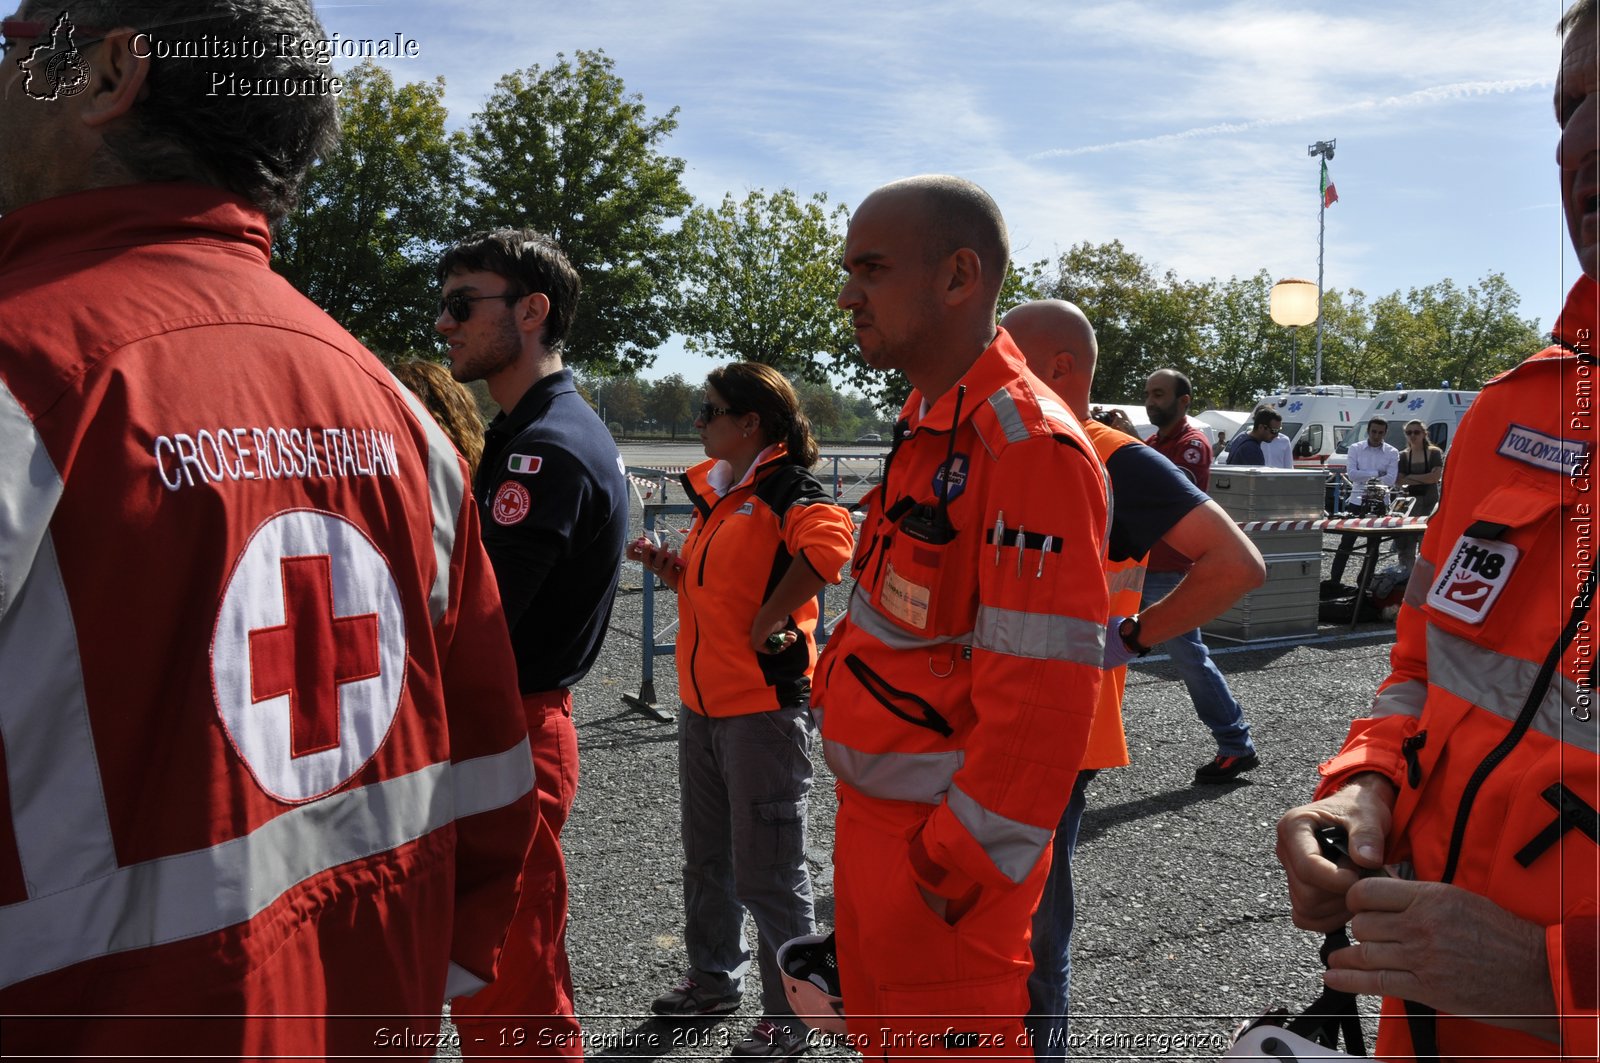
(1293, 303)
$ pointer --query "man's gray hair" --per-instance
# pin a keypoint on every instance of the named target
(257, 144)
(1578, 13)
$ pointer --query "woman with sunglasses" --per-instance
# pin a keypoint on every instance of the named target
(1421, 469)
(764, 540)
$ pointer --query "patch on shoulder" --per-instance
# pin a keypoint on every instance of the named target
(526, 464)
(511, 503)
(1542, 451)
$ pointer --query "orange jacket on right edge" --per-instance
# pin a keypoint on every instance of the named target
(1501, 565)
(966, 673)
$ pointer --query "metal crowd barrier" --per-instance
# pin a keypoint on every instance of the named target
(652, 645)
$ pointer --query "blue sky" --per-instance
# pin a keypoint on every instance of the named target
(1179, 128)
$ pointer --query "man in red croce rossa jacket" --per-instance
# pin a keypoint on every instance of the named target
(262, 761)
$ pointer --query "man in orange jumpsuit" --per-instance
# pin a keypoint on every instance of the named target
(1474, 782)
(980, 601)
(1153, 501)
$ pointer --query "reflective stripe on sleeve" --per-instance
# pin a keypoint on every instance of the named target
(58, 810)
(1401, 699)
(1418, 583)
(446, 489)
(865, 615)
(1500, 684)
(1005, 408)
(1043, 636)
(190, 894)
(30, 487)
(1014, 847)
(920, 777)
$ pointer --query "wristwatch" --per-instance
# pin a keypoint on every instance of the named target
(1128, 632)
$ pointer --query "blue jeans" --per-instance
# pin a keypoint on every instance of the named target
(1214, 703)
(744, 783)
(1049, 986)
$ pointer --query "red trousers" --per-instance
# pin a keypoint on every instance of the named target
(914, 985)
(527, 1011)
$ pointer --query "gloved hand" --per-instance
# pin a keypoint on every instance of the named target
(1117, 653)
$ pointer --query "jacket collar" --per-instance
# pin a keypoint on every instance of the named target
(535, 400)
(998, 365)
(131, 216)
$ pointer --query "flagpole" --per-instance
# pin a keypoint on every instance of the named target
(1324, 150)
(1322, 229)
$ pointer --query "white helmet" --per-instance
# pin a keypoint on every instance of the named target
(810, 968)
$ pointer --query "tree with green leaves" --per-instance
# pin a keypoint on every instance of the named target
(567, 150)
(761, 281)
(672, 401)
(1143, 322)
(361, 244)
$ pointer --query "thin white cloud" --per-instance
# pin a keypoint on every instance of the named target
(1422, 97)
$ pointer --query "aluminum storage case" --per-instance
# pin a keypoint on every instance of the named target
(1286, 604)
(1249, 493)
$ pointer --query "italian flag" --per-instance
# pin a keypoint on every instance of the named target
(525, 463)
(1330, 194)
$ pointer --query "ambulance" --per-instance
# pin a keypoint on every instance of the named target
(1317, 419)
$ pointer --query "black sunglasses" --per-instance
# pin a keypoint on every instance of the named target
(459, 304)
(709, 413)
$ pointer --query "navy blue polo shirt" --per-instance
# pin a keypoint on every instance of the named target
(553, 499)
(1149, 496)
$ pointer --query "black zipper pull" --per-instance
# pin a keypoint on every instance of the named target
(1414, 763)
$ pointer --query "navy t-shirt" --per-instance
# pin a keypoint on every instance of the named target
(553, 498)
(1149, 496)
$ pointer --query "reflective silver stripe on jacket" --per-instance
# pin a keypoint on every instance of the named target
(58, 813)
(920, 777)
(1500, 684)
(1043, 636)
(1005, 408)
(58, 810)
(1419, 582)
(184, 896)
(446, 489)
(30, 487)
(865, 615)
(1401, 699)
(1013, 847)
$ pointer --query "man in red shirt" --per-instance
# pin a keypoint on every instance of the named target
(1166, 402)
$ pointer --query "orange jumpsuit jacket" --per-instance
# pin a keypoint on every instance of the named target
(966, 673)
(1497, 793)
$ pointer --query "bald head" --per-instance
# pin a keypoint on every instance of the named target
(953, 214)
(1058, 342)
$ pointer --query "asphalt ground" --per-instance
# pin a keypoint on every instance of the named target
(1183, 925)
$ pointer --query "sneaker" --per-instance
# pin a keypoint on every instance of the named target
(1332, 588)
(768, 1040)
(689, 998)
(1224, 768)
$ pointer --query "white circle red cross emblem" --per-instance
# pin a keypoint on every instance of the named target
(308, 656)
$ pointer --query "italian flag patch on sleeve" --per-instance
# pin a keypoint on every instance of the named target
(525, 463)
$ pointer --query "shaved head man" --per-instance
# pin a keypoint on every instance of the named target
(924, 259)
(1059, 344)
(1154, 501)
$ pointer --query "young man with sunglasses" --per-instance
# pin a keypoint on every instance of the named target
(554, 501)
(266, 785)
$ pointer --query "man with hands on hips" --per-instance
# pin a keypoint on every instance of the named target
(1471, 787)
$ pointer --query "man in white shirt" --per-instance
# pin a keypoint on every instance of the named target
(1276, 448)
(1372, 457)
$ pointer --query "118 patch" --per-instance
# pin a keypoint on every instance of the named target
(1478, 570)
